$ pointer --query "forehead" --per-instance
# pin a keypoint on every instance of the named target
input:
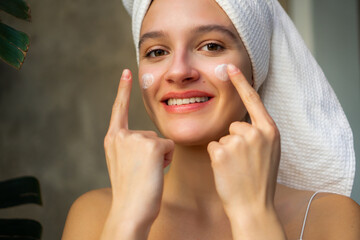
(164, 15)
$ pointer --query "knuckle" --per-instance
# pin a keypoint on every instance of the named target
(118, 105)
(210, 147)
(259, 140)
(114, 137)
(224, 140)
(272, 132)
(234, 126)
(237, 140)
(121, 133)
(255, 136)
(123, 85)
(137, 136)
(151, 144)
(219, 154)
(170, 142)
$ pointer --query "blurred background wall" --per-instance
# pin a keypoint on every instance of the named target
(331, 30)
(55, 111)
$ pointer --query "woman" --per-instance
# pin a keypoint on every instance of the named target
(199, 80)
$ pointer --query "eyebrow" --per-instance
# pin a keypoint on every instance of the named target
(150, 35)
(218, 28)
(198, 30)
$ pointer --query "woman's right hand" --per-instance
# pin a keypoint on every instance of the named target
(135, 161)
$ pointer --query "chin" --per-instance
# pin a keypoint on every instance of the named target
(190, 136)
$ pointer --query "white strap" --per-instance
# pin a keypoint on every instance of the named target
(306, 214)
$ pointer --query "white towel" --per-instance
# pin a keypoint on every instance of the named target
(316, 139)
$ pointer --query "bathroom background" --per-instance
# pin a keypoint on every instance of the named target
(54, 112)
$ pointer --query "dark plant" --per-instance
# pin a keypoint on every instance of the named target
(16, 192)
(13, 43)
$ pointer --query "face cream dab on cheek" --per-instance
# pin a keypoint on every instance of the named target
(221, 73)
(147, 80)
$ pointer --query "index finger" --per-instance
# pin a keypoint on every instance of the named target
(249, 96)
(120, 109)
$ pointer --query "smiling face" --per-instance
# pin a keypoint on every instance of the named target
(183, 46)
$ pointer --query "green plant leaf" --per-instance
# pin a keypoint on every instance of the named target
(13, 45)
(20, 229)
(17, 38)
(19, 191)
(11, 54)
(17, 8)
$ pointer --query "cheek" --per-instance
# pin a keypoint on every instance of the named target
(149, 83)
(215, 72)
(149, 77)
(221, 73)
(147, 80)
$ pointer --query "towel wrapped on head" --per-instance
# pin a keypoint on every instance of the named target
(317, 150)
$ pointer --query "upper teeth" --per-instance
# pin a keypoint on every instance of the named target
(181, 101)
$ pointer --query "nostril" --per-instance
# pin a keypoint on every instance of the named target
(181, 73)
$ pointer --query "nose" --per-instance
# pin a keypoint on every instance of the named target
(181, 70)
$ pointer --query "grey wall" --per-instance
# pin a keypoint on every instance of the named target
(54, 113)
(330, 28)
(336, 43)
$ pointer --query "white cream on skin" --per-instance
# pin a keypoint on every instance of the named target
(221, 72)
(147, 80)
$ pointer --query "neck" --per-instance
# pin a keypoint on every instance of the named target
(191, 179)
(190, 185)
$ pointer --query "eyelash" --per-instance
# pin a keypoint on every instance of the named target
(217, 45)
(152, 51)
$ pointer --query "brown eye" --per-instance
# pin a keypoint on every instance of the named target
(212, 47)
(156, 53)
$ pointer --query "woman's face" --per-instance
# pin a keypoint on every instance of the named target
(183, 44)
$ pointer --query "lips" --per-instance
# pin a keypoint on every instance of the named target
(187, 94)
(183, 102)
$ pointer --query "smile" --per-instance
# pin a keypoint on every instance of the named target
(184, 101)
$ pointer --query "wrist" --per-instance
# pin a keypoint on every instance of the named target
(259, 223)
(126, 225)
(125, 230)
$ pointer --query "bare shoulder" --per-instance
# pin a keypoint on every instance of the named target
(333, 216)
(87, 215)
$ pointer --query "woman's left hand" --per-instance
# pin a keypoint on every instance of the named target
(245, 162)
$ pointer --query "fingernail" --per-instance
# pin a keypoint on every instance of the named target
(232, 69)
(126, 75)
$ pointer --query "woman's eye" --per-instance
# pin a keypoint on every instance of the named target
(212, 47)
(156, 53)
